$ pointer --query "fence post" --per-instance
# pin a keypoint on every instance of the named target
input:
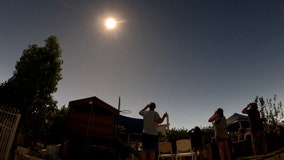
(9, 120)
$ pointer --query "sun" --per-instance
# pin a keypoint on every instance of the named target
(110, 23)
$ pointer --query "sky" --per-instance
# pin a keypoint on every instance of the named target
(190, 57)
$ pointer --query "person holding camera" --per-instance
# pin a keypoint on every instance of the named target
(219, 123)
(196, 136)
(257, 129)
(150, 130)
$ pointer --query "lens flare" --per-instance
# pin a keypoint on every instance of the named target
(110, 23)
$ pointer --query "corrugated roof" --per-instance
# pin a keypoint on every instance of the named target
(131, 125)
(235, 118)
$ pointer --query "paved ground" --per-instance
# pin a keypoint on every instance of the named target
(276, 155)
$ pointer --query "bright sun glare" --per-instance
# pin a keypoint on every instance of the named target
(110, 23)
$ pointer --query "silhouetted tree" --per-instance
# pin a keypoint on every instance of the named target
(33, 82)
(271, 111)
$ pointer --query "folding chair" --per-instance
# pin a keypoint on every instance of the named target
(165, 150)
(184, 149)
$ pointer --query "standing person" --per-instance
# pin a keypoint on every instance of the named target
(219, 123)
(196, 136)
(150, 131)
(256, 126)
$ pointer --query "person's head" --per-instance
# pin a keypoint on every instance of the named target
(220, 112)
(152, 106)
(196, 129)
(253, 106)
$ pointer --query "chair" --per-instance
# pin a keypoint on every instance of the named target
(184, 149)
(165, 150)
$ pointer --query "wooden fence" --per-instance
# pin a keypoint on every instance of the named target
(9, 120)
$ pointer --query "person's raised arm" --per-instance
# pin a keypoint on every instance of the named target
(142, 110)
(161, 120)
(214, 117)
(245, 110)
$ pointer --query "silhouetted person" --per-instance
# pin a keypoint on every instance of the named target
(219, 123)
(196, 136)
(256, 126)
(150, 130)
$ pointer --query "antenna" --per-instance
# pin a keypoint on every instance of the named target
(118, 104)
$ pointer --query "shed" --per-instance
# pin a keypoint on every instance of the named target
(91, 118)
(236, 121)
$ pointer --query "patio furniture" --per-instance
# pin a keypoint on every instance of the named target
(184, 149)
(165, 150)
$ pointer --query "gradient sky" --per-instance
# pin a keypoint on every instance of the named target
(188, 56)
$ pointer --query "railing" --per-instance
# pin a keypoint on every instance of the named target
(9, 120)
